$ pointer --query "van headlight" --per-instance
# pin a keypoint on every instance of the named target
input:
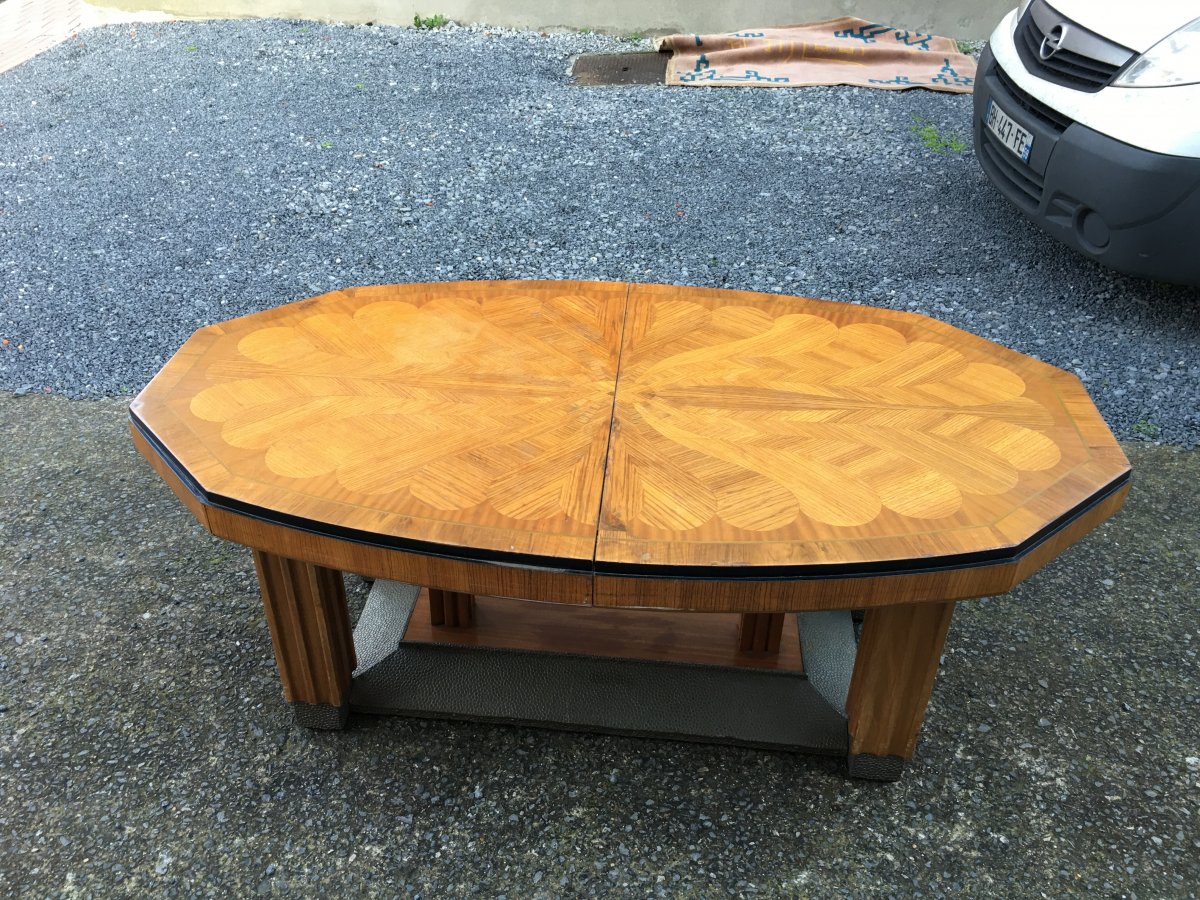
(1173, 60)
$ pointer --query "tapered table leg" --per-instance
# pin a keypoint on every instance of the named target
(760, 632)
(310, 628)
(894, 669)
(451, 609)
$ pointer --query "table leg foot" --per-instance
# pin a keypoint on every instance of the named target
(321, 715)
(894, 668)
(310, 630)
(870, 767)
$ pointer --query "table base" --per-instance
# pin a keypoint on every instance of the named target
(780, 708)
(715, 639)
(876, 688)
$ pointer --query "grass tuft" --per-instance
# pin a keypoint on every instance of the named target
(932, 139)
(429, 22)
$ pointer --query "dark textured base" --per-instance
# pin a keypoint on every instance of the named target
(870, 767)
(754, 707)
(321, 715)
(828, 647)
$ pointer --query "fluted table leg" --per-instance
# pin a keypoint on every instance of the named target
(310, 628)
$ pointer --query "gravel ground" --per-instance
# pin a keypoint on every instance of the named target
(145, 748)
(159, 177)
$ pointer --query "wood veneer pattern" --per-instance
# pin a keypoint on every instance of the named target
(744, 434)
(456, 414)
(756, 430)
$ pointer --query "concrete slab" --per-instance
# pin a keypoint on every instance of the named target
(145, 747)
(27, 27)
(967, 19)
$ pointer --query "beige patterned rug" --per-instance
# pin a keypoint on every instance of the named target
(27, 27)
(838, 51)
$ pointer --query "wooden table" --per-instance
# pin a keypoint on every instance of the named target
(605, 448)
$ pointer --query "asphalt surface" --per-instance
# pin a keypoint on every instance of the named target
(155, 178)
(145, 748)
(159, 178)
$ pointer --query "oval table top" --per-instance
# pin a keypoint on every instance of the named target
(634, 431)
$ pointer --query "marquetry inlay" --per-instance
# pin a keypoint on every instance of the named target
(632, 425)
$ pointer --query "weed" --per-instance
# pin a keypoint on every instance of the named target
(932, 139)
(191, 48)
(325, 145)
(430, 22)
(635, 36)
(305, 29)
(1146, 429)
(359, 85)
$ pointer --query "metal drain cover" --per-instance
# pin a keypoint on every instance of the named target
(620, 68)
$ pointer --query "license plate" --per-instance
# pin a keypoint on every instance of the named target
(1011, 135)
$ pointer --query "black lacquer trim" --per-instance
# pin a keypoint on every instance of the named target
(817, 571)
(354, 535)
(809, 572)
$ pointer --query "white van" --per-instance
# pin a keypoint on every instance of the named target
(1087, 117)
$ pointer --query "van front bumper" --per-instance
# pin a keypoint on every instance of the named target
(1133, 210)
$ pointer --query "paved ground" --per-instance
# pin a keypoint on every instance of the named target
(144, 745)
(156, 178)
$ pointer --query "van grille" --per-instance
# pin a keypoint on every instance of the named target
(1006, 168)
(1066, 68)
(1048, 116)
